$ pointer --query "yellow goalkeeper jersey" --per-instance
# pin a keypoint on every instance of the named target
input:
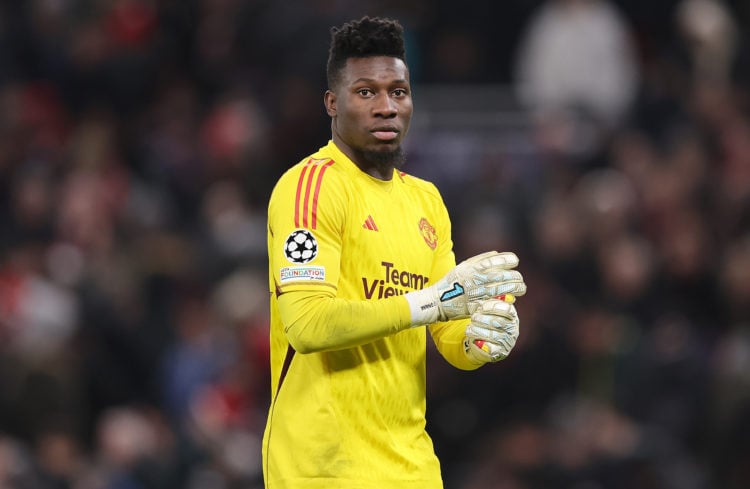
(351, 414)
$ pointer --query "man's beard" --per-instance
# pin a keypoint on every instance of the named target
(384, 161)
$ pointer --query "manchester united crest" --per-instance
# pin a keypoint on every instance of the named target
(428, 233)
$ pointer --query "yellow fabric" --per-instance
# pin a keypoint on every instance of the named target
(349, 411)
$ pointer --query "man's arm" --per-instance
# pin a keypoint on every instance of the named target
(317, 321)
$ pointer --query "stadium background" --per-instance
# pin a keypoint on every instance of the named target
(140, 139)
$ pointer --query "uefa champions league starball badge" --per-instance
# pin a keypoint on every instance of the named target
(301, 247)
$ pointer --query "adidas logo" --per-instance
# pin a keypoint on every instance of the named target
(370, 224)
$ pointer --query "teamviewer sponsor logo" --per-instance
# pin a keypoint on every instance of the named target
(394, 281)
(301, 274)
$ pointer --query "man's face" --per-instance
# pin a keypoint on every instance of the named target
(371, 109)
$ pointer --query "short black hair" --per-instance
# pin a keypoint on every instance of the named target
(368, 36)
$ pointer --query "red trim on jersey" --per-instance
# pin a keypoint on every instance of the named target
(299, 192)
(308, 208)
(317, 192)
(307, 194)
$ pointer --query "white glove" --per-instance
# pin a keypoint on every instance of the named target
(492, 332)
(459, 293)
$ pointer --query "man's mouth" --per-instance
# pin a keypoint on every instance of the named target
(385, 134)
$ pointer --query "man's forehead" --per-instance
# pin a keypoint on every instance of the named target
(375, 68)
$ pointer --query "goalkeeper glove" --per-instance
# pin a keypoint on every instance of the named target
(459, 293)
(492, 332)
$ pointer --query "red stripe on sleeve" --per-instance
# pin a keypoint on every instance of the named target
(299, 192)
(317, 192)
(307, 195)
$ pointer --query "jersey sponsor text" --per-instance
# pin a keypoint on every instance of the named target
(394, 282)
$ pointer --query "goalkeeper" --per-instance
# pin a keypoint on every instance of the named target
(361, 267)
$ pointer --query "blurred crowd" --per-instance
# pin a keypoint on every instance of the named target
(140, 140)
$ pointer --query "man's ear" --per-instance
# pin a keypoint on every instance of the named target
(329, 99)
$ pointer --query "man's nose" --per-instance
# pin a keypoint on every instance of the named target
(385, 106)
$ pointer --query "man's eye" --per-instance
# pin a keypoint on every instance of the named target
(364, 91)
(399, 92)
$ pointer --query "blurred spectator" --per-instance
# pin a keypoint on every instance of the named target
(710, 34)
(577, 72)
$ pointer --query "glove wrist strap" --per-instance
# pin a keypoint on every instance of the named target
(423, 305)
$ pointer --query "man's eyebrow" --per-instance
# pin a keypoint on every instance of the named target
(373, 80)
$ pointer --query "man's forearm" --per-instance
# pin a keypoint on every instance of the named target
(317, 322)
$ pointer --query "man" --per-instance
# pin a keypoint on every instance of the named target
(360, 260)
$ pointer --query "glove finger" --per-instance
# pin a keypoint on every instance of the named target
(517, 287)
(477, 352)
(478, 258)
(496, 278)
(491, 335)
(480, 262)
(487, 298)
(498, 352)
(494, 321)
(486, 292)
(485, 351)
(497, 307)
(495, 275)
(505, 260)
